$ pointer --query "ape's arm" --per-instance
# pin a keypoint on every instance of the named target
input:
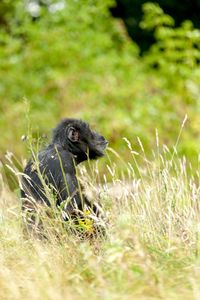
(56, 171)
(67, 187)
(61, 175)
(70, 192)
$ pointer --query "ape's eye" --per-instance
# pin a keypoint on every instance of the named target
(73, 134)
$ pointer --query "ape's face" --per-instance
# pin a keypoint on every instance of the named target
(79, 139)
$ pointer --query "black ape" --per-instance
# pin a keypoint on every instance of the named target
(55, 167)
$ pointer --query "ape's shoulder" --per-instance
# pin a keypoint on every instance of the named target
(54, 157)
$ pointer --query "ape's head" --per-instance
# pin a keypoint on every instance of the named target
(77, 137)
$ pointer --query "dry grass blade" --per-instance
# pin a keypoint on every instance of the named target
(150, 249)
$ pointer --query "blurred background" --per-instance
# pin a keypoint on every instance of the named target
(128, 67)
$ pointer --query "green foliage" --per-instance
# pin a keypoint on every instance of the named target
(175, 57)
(154, 17)
(132, 13)
(65, 63)
(177, 50)
(79, 62)
(7, 12)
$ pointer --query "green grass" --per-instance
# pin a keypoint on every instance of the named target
(151, 249)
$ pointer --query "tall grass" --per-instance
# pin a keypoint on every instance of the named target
(150, 250)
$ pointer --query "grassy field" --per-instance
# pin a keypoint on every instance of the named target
(150, 251)
(80, 62)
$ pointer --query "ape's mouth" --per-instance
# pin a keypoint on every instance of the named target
(102, 146)
(105, 144)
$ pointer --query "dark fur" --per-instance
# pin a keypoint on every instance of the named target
(73, 142)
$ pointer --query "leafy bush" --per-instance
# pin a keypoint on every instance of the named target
(132, 13)
(175, 57)
(177, 50)
(79, 62)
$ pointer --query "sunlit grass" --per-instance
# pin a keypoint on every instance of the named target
(150, 249)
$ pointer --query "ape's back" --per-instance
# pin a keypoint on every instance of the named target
(48, 171)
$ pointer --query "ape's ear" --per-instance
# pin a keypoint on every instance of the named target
(73, 134)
